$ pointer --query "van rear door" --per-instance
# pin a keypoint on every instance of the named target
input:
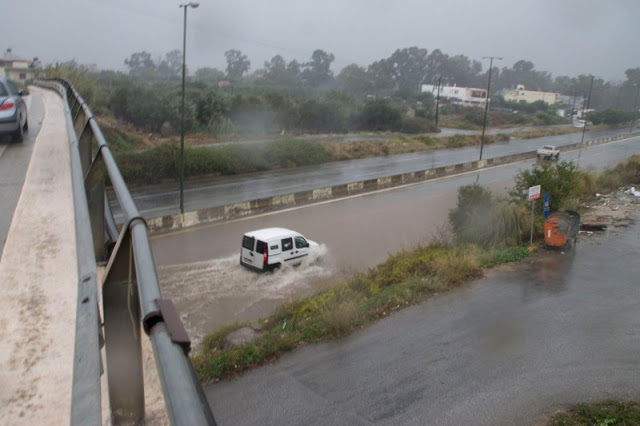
(247, 255)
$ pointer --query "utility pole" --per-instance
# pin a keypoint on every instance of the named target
(635, 107)
(184, 68)
(584, 118)
(438, 100)
(486, 104)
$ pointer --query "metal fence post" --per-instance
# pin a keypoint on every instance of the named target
(122, 334)
(85, 147)
(95, 187)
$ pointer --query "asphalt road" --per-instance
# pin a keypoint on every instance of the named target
(199, 271)
(160, 200)
(508, 349)
(377, 223)
(14, 161)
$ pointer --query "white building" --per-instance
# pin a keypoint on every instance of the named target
(529, 96)
(460, 95)
(15, 69)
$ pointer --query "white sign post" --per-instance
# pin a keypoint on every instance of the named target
(534, 194)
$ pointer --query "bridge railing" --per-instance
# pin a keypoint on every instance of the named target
(129, 288)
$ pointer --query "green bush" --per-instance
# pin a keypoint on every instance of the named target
(380, 115)
(481, 220)
(563, 180)
(413, 125)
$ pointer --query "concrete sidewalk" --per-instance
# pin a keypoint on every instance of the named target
(38, 282)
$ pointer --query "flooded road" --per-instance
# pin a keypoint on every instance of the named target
(511, 348)
(216, 292)
(199, 267)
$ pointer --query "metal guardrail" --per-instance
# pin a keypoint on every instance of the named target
(130, 292)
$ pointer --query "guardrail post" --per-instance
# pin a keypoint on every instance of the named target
(85, 146)
(122, 334)
(79, 118)
(95, 189)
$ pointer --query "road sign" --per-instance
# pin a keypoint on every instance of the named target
(546, 205)
(534, 192)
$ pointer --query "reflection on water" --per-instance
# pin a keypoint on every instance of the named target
(219, 291)
(554, 268)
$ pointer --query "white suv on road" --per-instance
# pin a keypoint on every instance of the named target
(271, 248)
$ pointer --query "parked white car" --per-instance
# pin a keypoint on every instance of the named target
(271, 248)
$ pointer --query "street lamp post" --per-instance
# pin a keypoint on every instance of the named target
(486, 104)
(635, 106)
(184, 66)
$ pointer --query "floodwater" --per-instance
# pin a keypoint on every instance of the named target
(199, 268)
(216, 292)
(524, 341)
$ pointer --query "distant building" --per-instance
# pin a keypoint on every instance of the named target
(529, 96)
(15, 69)
(458, 95)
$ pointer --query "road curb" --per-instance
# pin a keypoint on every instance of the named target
(280, 202)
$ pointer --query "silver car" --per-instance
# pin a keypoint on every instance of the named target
(13, 110)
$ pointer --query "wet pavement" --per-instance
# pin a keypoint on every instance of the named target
(510, 348)
(160, 200)
(199, 267)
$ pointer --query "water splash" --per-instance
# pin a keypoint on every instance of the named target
(220, 291)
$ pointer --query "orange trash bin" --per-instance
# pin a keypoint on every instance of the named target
(561, 227)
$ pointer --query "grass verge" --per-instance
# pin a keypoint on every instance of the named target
(601, 413)
(406, 278)
(161, 162)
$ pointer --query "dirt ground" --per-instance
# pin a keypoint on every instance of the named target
(613, 209)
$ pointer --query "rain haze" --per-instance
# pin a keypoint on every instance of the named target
(566, 37)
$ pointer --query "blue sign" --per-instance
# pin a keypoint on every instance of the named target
(546, 205)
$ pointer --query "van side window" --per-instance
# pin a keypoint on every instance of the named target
(301, 242)
(247, 242)
(261, 247)
(287, 244)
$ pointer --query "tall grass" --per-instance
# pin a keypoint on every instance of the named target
(405, 278)
(162, 162)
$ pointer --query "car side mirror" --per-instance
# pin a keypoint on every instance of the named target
(23, 92)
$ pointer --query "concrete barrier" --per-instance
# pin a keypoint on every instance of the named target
(281, 202)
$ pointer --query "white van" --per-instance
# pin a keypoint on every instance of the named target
(270, 248)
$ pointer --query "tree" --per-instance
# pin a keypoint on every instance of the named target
(278, 73)
(317, 72)
(633, 75)
(408, 67)
(355, 80)
(523, 72)
(211, 108)
(209, 75)
(171, 66)
(237, 64)
(141, 65)
(381, 77)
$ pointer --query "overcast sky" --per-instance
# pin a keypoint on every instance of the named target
(565, 37)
